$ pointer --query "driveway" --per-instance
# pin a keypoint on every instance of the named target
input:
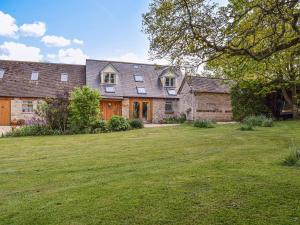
(4, 129)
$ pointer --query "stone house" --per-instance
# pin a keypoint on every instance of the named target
(205, 98)
(148, 92)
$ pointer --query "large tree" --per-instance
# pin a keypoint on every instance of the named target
(198, 30)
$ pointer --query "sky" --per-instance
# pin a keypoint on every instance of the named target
(69, 31)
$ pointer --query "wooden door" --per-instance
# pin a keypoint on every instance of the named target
(110, 108)
(141, 108)
(4, 112)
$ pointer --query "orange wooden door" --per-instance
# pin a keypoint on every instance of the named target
(141, 108)
(110, 108)
(4, 112)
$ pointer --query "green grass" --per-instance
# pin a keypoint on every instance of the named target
(175, 175)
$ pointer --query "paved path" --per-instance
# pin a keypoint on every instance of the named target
(4, 129)
(151, 125)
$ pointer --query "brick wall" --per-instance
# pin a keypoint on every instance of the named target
(16, 109)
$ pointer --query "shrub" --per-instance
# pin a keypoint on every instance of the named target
(267, 123)
(32, 130)
(293, 157)
(118, 123)
(174, 120)
(204, 124)
(136, 124)
(259, 121)
(100, 126)
(246, 127)
(84, 108)
(55, 112)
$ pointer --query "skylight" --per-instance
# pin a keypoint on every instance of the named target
(135, 66)
(2, 73)
(139, 78)
(141, 90)
(64, 77)
(171, 91)
(110, 89)
(34, 76)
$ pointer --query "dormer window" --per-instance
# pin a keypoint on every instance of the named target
(109, 78)
(170, 81)
(138, 78)
(34, 76)
(64, 77)
(2, 71)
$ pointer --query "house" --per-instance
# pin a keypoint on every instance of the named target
(205, 98)
(144, 91)
(24, 84)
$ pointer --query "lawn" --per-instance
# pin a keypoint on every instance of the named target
(181, 175)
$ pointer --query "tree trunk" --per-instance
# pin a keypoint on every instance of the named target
(292, 101)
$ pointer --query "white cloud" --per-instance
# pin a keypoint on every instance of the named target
(77, 41)
(36, 29)
(8, 25)
(19, 51)
(55, 41)
(70, 56)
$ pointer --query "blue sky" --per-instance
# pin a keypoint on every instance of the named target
(69, 31)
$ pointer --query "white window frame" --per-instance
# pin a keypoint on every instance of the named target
(171, 78)
(34, 76)
(110, 75)
(27, 106)
(64, 77)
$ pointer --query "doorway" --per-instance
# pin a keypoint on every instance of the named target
(110, 108)
(4, 112)
(141, 109)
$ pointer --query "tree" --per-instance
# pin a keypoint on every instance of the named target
(196, 31)
(84, 108)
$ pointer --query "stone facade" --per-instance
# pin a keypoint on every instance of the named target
(17, 112)
(125, 108)
(159, 112)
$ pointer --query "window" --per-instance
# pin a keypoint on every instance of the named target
(110, 89)
(141, 90)
(64, 77)
(109, 78)
(27, 106)
(139, 78)
(171, 91)
(170, 82)
(169, 107)
(135, 66)
(34, 76)
(2, 71)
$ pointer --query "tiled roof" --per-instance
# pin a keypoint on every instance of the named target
(17, 82)
(126, 85)
(208, 85)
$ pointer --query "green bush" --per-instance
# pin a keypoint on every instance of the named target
(174, 120)
(267, 123)
(100, 126)
(84, 108)
(259, 121)
(246, 127)
(293, 157)
(32, 130)
(204, 124)
(118, 123)
(136, 124)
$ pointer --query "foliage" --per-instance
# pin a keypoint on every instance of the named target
(118, 123)
(258, 121)
(55, 111)
(84, 108)
(256, 29)
(136, 124)
(204, 124)
(293, 157)
(174, 120)
(100, 126)
(32, 130)
(246, 101)
(246, 127)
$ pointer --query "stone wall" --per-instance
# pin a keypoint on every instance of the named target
(16, 109)
(186, 103)
(159, 110)
(125, 108)
(214, 106)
